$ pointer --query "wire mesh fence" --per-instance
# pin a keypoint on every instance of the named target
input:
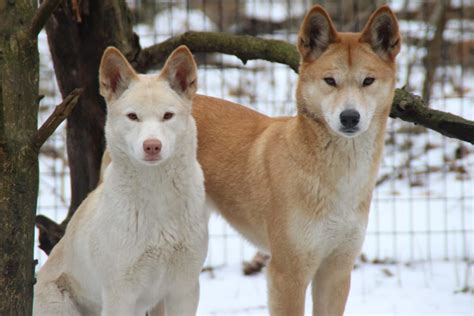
(423, 206)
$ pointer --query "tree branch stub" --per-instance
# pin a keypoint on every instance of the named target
(60, 113)
(411, 108)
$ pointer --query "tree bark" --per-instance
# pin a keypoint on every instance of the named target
(77, 37)
(434, 48)
(19, 74)
(242, 46)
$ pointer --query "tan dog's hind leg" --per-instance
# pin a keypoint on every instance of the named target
(330, 286)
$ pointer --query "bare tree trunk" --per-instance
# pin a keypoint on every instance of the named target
(77, 37)
(433, 48)
(18, 157)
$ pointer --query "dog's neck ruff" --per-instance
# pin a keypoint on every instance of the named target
(310, 115)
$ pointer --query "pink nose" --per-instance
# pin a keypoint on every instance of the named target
(152, 147)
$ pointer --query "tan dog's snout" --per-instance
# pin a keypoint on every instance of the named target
(152, 148)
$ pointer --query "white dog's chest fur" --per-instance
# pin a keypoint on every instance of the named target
(148, 233)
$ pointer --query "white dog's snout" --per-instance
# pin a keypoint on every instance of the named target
(152, 147)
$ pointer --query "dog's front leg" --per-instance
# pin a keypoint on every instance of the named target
(183, 301)
(118, 303)
(287, 284)
(331, 284)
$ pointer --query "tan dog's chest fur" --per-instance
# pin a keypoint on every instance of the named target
(286, 180)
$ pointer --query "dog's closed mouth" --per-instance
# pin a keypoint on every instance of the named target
(152, 159)
(349, 131)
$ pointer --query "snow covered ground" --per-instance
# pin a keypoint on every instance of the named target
(421, 227)
(389, 290)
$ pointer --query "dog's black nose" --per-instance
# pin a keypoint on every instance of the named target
(349, 118)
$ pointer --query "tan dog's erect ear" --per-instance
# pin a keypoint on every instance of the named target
(115, 74)
(181, 72)
(382, 33)
(316, 33)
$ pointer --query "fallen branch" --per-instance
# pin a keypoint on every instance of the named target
(60, 113)
(41, 17)
(406, 106)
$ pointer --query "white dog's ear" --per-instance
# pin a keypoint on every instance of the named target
(181, 72)
(317, 32)
(382, 33)
(115, 74)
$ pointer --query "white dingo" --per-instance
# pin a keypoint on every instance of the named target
(140, 239)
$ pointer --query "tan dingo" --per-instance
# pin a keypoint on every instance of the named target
(300, 187)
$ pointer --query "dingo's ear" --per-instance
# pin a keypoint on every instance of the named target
(316, 33)
(115, 74)
(382, 33)
(181, 72)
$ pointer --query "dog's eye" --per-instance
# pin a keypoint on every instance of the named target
(330, 81)
(168, 116)
(132, 116)
(368, 81)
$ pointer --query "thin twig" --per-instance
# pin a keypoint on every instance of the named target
(42, 15)
(60, 113)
